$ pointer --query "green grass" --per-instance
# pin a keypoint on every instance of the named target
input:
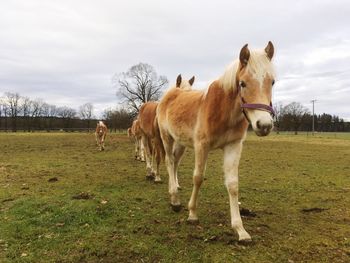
(128, 219)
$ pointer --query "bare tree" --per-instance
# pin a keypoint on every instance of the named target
(36, 110)
(26, 107)
(86, 112)
(66, 112)
(2, 110)
(293, 115)
(278, 108)
(13, 103)
(138, 85)
(118, 118)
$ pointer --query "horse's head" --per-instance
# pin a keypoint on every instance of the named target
(184, 84)
(254, 81)
(99, 128)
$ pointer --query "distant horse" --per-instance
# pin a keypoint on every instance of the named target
(100, 134)
(150, 133)
(218, 118)
(134, 134)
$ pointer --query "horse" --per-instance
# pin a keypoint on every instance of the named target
(134, 133)
(100, 135)
(218, 117)
(154, 149)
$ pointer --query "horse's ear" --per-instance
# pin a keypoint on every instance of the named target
(244, 55)
(269, 50)
(191, 81)
(178, 81)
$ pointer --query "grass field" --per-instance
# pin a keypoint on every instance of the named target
(63, 201)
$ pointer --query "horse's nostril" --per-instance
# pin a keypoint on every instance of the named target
(264, 126)
(258, 125)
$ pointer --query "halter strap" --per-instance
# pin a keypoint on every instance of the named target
(258, 106)
(254, 106)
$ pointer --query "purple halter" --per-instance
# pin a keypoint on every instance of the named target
(258, 106)
(254, 106)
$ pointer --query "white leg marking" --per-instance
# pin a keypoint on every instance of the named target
(232, 155)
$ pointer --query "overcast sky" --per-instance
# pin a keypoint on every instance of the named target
(67, 51)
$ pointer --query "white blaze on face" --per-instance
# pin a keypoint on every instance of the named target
(260, 68)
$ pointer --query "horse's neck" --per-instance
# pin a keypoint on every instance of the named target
(222, 114)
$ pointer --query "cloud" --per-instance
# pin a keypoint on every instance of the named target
(66, 52)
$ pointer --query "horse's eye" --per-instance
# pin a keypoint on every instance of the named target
(273, 82)
(242, 84)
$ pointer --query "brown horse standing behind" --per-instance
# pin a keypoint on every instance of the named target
(151, 140)
(134, 133)
(218, 118)
(100, 134)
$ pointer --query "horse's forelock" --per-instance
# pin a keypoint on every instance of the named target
(258, 66)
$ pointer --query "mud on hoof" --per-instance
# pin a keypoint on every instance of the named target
(150, 177)
(176, 208)
(245, 239)
(245, 242)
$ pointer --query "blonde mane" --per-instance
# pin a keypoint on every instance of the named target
(258, 65)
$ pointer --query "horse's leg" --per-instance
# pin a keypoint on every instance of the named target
(137, 148)
(232, 155)
(201, 155)
(142, 151)
(158, 160)
(168, 143)
(96, 137)
(178, 152)
(103, 142)
(153, 152)
(148, 157)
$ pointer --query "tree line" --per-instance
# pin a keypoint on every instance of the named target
(19, 113)
(295, 117)
(138, 85)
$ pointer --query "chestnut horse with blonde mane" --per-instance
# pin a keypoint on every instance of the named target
(218, 118)
(100, 135)
(134, 133)
(150, 133)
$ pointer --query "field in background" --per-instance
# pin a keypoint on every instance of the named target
(63, 201)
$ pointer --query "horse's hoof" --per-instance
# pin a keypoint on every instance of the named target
(158, 181)
(192, 221)
(245, 240)
(176, 208)
(150, 177)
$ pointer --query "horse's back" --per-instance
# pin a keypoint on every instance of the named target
(178, 111)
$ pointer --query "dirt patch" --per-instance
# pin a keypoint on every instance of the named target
(8, 200)
(53, 179)
(83, 195)
(313, 210)
(247, 213)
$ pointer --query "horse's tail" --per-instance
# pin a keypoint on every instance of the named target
(158, 143)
